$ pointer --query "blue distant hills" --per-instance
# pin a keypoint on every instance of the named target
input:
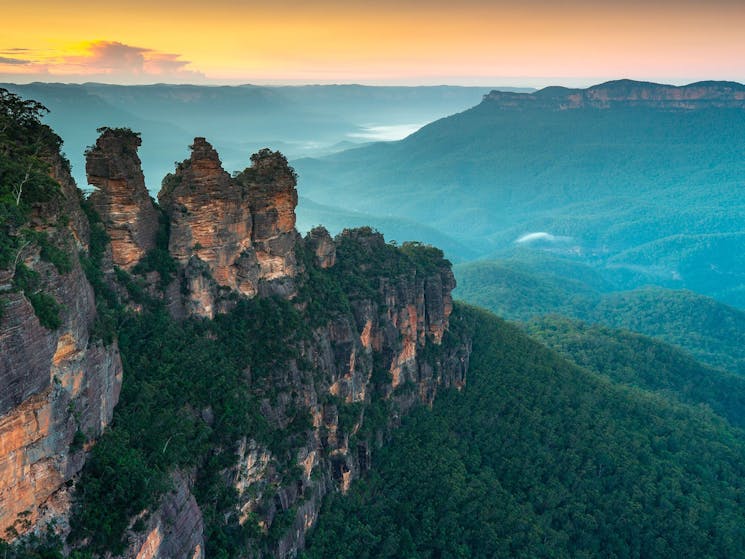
(645, 182)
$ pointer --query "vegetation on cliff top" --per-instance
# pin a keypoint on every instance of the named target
(26, 148)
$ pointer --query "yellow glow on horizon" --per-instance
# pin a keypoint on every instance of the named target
(226, 40)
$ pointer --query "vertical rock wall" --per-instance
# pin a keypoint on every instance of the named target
(231, 234)
(121, 198)
(58, 387)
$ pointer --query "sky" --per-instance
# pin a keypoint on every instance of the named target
(467, 42)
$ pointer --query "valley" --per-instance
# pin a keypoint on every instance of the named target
(641, 181)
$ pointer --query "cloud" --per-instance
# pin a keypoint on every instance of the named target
(542, 236)
(4, 60)
(108, 61)
(105, 57)
(114, 58)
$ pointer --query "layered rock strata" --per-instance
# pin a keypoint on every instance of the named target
(231, 234)
(58, 387)
(121, 198)
(627, 93)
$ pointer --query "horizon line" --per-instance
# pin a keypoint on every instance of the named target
(282, 83)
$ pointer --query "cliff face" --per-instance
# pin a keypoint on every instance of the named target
(323, 247)
(363, 338)
(269, 187)
(627, 93)
(175, 530)
(230, 233)
(58, 385)
(121, 198)
(359, 369)
(388, 352)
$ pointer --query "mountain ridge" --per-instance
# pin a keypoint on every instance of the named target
(599, 181)
(630, 93)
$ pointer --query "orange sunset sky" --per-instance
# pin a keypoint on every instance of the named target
(532, 42)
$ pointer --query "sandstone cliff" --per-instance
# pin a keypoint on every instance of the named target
(269, 187)
(323, 247)
(627, 93)
(175, 530)
(387, 353)
(58, 385)
(121, 198)
(231, 234)
(359, 335)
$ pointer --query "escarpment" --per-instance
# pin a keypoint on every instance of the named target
(627, 93)
(59, 382)
(265, 368)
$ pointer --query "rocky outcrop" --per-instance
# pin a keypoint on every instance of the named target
(69, 202)
(208, 216)
(374, 343)
(323, 247)
(58, 387)
(175, 530)
(699, 95)
(231, 234)
(269, 187)
(121, 198)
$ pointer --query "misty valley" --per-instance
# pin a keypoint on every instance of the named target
(372, 321)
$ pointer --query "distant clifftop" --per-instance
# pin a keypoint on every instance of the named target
(629, 93)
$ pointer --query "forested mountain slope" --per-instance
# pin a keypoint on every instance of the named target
(540, 458)
(642, 179)
(526, 287)
(635, 360)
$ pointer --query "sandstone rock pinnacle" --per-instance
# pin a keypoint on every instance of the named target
(121, 199)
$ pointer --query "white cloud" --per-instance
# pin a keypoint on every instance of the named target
(542, 236)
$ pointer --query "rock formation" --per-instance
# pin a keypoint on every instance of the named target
(380, 341)
(230, 233)
(175, 530)
(390, 347)
(58, 387)
(323, 247)
(269, 187)
(121, 198)
(627, 93)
